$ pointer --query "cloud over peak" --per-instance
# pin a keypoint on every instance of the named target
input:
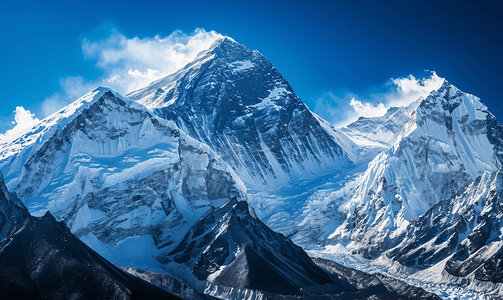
(344, 110)
(132, 63)
(128, 64)
(424, 86)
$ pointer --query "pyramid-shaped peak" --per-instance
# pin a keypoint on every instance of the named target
(228, 40)
(229, 90)
(110, 94)
(225, 41)
(445, 86)
(227, 46)
(447, 99)
(101, 89)
(447, 91)
(105, 92)
(91, 97)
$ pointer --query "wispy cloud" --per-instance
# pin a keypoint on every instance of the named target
(23, 119)
(367, 109)
(343, 110)
(132, 63)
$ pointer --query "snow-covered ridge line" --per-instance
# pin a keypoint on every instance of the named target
(35, 136)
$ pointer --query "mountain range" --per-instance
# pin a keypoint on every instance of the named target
(220, 177)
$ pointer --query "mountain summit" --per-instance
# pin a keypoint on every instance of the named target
(235, 101)
(449, 140)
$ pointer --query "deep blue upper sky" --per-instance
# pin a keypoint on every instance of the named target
(319, 46)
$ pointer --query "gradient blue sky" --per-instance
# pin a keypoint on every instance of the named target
(329, 51)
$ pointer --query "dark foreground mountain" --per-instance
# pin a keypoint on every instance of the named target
(229, 252)
(41, 259)
(348, 284)
(229, 246)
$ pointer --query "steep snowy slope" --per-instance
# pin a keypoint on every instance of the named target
(448, 142)
(365, 138)
(316, 214)
(120, 177)
(15, 150)
(41, 259)
(462, 233)
(235, 101)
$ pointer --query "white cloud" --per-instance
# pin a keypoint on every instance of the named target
(23, 119)
(409, 89)
(132, 63)
(341, 111)
(411, 84)
(367, 109)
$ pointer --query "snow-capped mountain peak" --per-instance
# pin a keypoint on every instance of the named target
(236, 102)
(15, 150)
(448, 141)
(113, 171)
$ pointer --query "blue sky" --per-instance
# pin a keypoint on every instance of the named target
(331, 52)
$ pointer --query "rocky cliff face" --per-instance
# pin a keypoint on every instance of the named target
(236, 102)
(230, 246)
